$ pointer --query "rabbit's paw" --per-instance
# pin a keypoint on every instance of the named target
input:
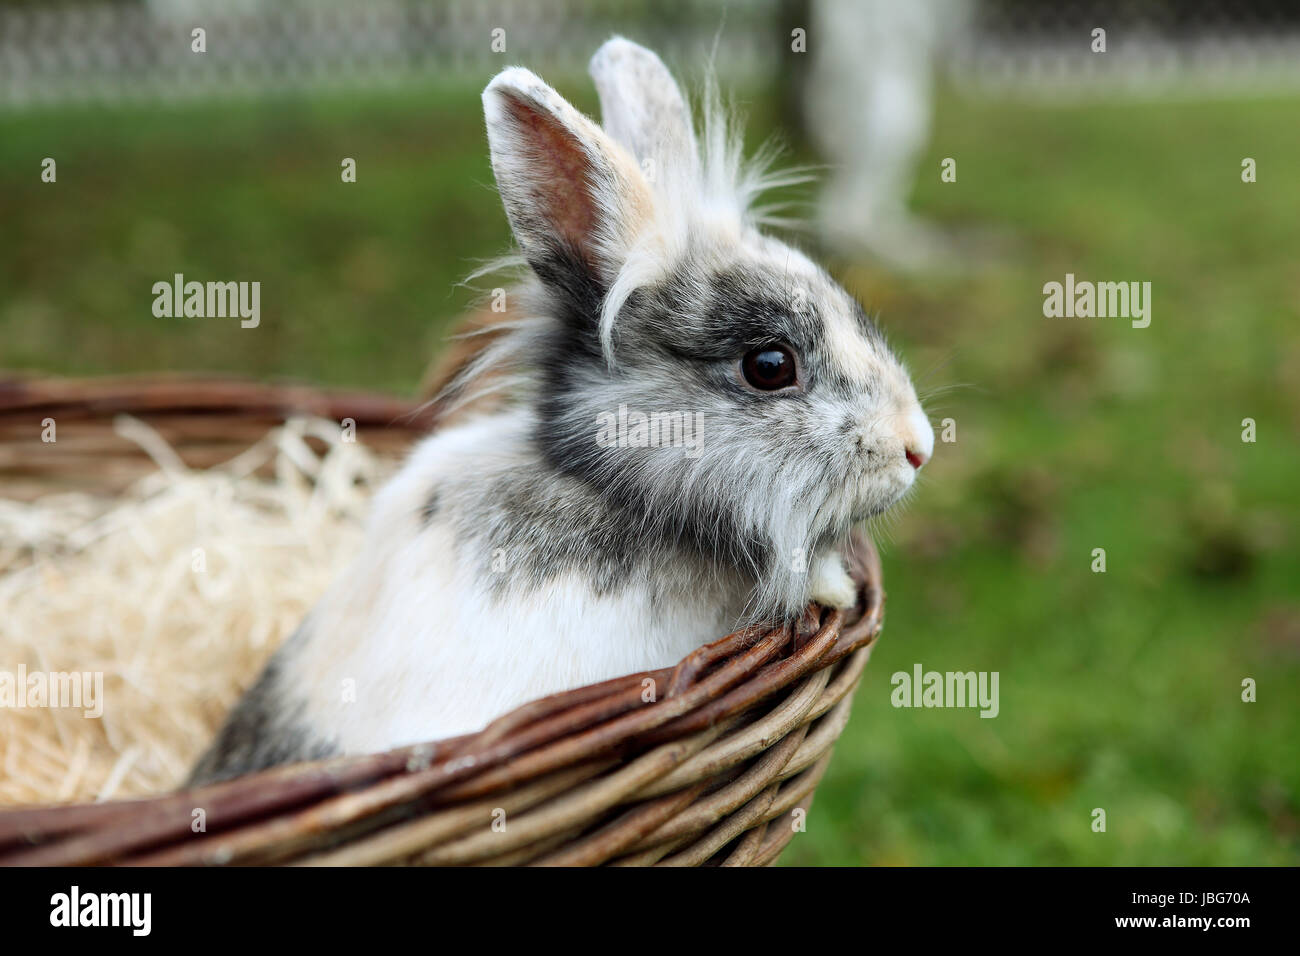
(831, 584)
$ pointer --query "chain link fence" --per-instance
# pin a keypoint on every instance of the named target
(110, 52)
(146, 50)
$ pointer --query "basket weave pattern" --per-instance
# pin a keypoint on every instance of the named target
(700, 763)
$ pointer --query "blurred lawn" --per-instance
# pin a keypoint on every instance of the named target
(1118, 690)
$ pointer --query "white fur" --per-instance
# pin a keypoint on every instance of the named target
(415, 641)
(412, 629)
(831, 584)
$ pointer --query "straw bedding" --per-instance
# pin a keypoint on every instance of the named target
(202, 529)
(176, 590)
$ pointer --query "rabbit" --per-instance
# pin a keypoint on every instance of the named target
(555, 540)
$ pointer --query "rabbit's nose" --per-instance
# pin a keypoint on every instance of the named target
(918, 438)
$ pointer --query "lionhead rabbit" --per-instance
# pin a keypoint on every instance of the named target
(700, 416)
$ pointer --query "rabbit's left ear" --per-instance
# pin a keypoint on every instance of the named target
(642, 108)
(575, 198)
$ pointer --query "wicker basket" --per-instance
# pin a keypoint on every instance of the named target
(701, 763)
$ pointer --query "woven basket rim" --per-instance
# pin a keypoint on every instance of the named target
(736, 734)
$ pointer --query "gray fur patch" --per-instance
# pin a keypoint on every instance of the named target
(263, 730)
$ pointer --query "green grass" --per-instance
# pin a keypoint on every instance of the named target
(357, 279)
(1118, 690)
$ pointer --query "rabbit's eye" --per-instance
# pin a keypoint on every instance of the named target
(769, 368)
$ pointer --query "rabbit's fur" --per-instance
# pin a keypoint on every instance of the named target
(515, 555)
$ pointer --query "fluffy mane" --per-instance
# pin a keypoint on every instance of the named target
(717, 194)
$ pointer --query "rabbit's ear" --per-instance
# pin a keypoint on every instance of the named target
(574, 197)
(642, 108)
